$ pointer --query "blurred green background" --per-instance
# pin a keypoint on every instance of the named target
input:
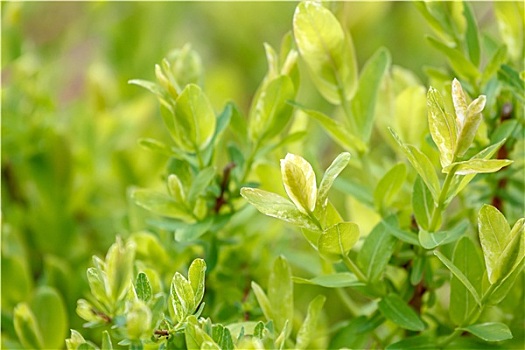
(70, 120)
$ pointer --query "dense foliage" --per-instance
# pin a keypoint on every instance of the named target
(392, 196)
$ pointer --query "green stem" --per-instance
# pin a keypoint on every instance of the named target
(438, 210)
(347, 301)
(354, 268)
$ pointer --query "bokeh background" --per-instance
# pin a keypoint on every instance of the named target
(71, 121)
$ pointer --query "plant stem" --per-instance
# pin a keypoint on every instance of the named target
(354, 268)
(438, 210)
(345, 298)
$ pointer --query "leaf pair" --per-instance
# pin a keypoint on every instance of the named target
(186, 294)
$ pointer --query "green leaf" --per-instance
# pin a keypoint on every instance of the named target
(335, 280)
(431, 240)
(396, 310)
(494, 64)
(469, 127)
(299, 182)
(471, 34)
(336, 130)
(203, 179)
(175, 188)
(478, 166)
(307, 330)
(155, 146)
(106, 341)
(161, 204)
(364, 101)
(389, 186)
(327, 51)
(329, 176)
(184, 294)
(338, 239)
(393, 229)
(119, 268)
(442, 127)
(422, 164)
(263, 301)
(494, 237)
(196, 276)
(278, 207)
(26, 327)
(514, 252)
(468, 260)
(148, 85)
(422, 203)
(280, 293)
(459, 275)
(490, 331)
(270, 111)
(415, 342)
(143, 287)
(191, 232)
(376, 252)
(461, 65)
(194, 119)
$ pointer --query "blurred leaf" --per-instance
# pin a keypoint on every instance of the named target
(404, 235)
(414, 342)
(511, 78)
(280, 293)
(195, 120)
(155, 146)
(461, 65)
(276, 206)
(200, 183)
(307, 330)
(422, 203)
(469, 127)
(442, 127)
(494, 64)
(106, 341)
(459, 275)
(184, 293)
(468, 260)
(490, 331)
(396, 310)
(263, 301)
(471, 34)
(339, 239)
(422, 164)
(26, 327)
(299, 182)
(119, 268)
(148, 85)
(335, 280)
(51, 315)
(376, 252)
(389, 186)
(477, 166)
(161, 204)
(143, 287)
(364, 101)
(327, 51)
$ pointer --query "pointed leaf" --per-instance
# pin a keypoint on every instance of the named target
(335, 280)
(307, 330)
(396, 310)
(460, 276)
(278, 207)
(184, 293)
(280, 293)
(196, 276)
(431, 240)
(468, 260)
(200, 183)
(442, 127)
(263, 301)
(471, 34)
(376, 252)
(331, 173)
(143, 287)
(106, 341)
(389, 186)
(26, 327)
(478, 166)
(490, 331)
(422, 203)
(160, 204)
(469, 128)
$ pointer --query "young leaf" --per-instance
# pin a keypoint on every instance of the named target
(422, 203)
(327, 51)
(196, 276)
(119, 268)
(422, 164)
(161, 204)
(389, 186)
(460, 276)
(194, 119)
(307, 330)
(184, 293)
(490, 331)
(468, 260)
(364, 101)
(143, 287)
(376, 252)
(494, 237)
(299, 182)
(468, 129)
(280, 293)
(442, 127)
(396, 310)
(431, 240)
(338, 239)
(478, 166)
(106, 341)
(263, 301)
(203, 179)
(335, 280)
(273, 205)
(331, 173)
(26, 327)
(514, 252)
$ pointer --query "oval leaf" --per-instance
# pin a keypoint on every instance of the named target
(490, 331)
(396, 310)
